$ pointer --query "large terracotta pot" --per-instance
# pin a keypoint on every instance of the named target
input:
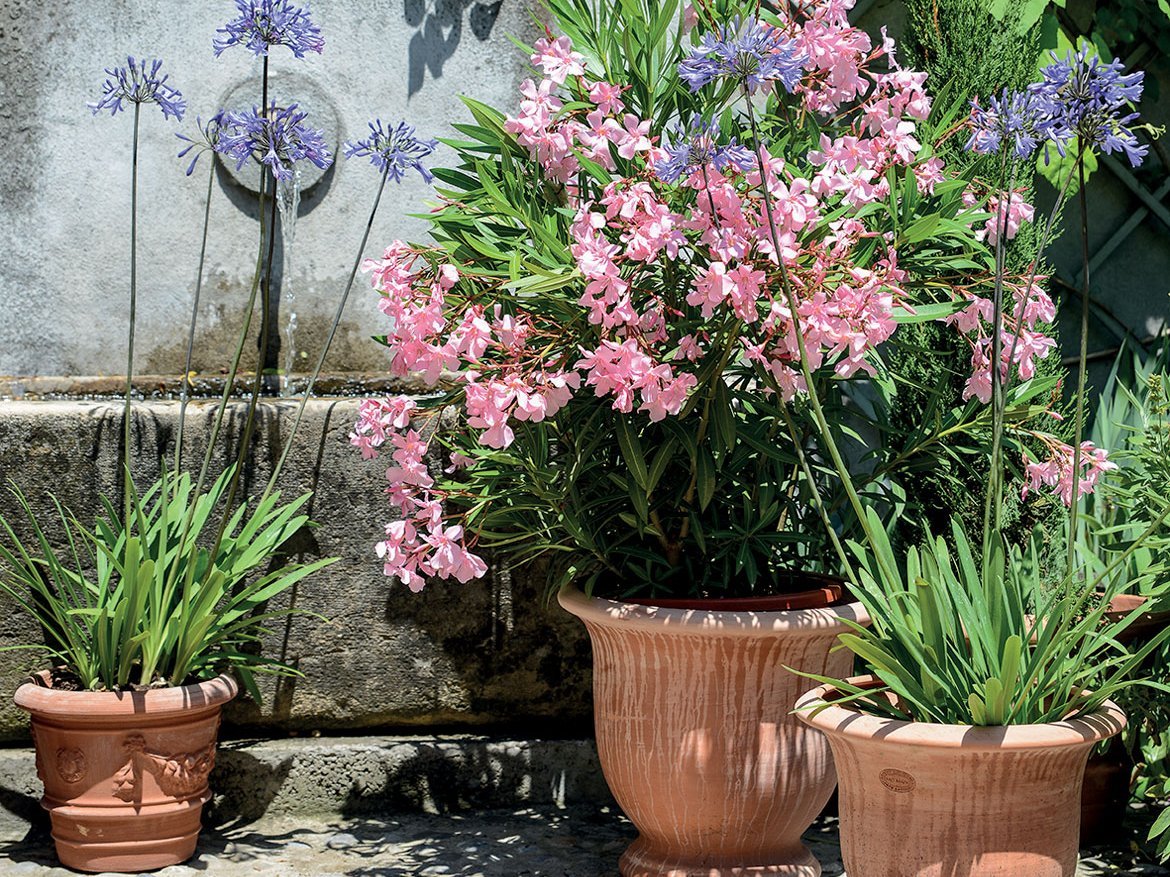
(696, 737)
(926, 800)
(125, 775)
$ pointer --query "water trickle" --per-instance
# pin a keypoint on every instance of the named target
(288, 200)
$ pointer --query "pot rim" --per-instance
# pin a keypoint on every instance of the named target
(711, 622)
(99, 705)
(842, 721)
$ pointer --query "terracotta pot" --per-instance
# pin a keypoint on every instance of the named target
(1104, 796)
(1146, 627)
(125, 775)
(925, 800)
(696, 737)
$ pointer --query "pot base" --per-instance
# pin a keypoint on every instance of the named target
(641, 861)
(127, 858)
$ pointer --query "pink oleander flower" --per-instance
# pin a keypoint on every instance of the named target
(607, 97)
(557, 59)
(377, 418)
(659, 273)
(1018, 212)
(1057, 471)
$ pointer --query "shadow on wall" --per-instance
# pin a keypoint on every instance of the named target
(438, 28)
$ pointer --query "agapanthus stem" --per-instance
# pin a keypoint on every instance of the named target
(1040, 247)
(1082, 371)
(258, 383)
(993, 502)
(288, 442)
(806, 372)
(263, 279)
(185, 385)
(822, 512)
(128, 479)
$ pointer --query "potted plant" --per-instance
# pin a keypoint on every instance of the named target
(964, 749)
(1131, 419)
(653, 296)
(152, 611)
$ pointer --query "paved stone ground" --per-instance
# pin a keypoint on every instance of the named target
(576, 842)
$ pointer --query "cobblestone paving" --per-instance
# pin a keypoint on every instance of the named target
(579, 842)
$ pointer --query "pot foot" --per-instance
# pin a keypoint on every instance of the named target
(129, 858)
(642, 861)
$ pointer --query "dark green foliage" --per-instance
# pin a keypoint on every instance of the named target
(959, 41)
(971, 54)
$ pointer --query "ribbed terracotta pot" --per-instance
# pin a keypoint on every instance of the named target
(925, 800)
(696, 737)
(125, 775)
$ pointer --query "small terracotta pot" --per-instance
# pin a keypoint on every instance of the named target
(696, 737)
(926, 800)
(1148, 624)
(125, 775)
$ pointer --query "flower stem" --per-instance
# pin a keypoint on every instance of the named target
(1082, 371)
(993, 502)
(128, 481)
(806, 372)
(1061, 197)
(185, 385)
(288, 442)
(258, 383)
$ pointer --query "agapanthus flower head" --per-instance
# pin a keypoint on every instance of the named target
(393, 150)
(205, 140)
(749, 52)
(263, 24)
(137, 84)
(279, 139)
(1081, 96)
(697, 147)
(1007, 122)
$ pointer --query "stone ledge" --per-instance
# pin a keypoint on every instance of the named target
(356, 776)
(488, 657)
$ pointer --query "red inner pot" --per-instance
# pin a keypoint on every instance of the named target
(826, 591)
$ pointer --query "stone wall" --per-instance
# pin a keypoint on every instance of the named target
(487, 655)
(65, 195)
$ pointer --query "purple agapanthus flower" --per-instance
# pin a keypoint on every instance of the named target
(279, 140)
(393, 151)
(1011, 119)
(697, 147)
(138, 85)
(751, 54)
(263, 24)
(1081, 96)
(207, 139)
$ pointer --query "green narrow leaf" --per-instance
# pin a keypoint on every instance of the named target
(632, 453)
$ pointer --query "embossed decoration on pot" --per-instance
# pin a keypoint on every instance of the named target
(696, 737)
(125, 774)
(928, 800)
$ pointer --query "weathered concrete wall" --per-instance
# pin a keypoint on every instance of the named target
(487, 654)
(64, 195)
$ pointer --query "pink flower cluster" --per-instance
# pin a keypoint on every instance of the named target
(884, 107)
(1020, 343)
(1057, 471)
(553, 137)
(421, 543)
(1009, 221)
(642, 340)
